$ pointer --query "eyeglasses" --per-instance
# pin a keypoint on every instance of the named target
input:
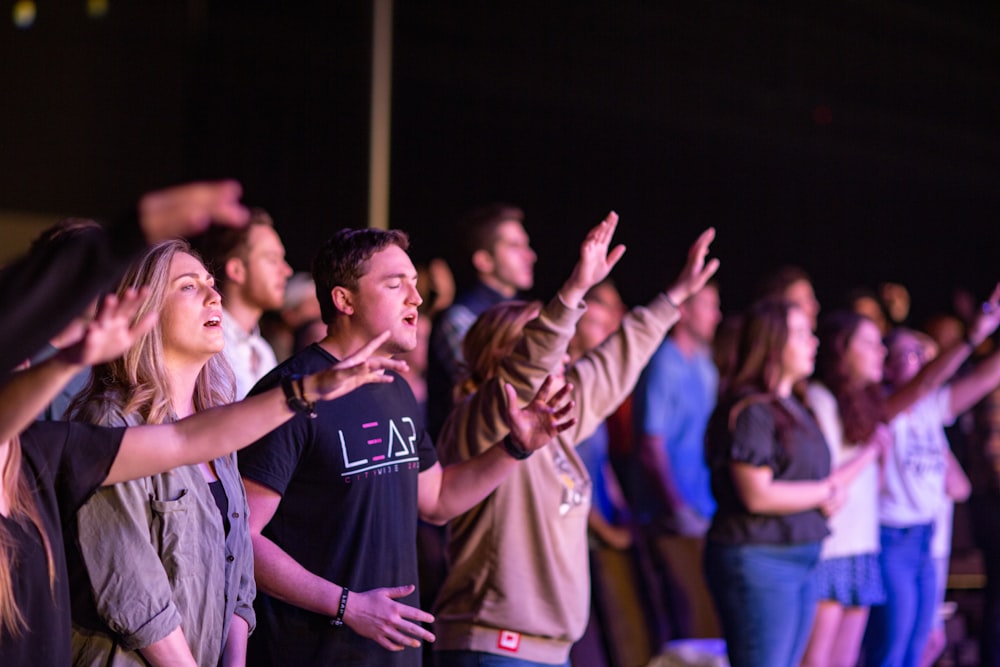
(908, 355)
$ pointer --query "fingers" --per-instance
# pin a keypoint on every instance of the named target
(543, 391)
(145, 324)
(387, 364)
(700, 247)
(511, 397)
(616, 254)
(707, 272)
(563, 410)
(566, 425)
(559, 396)
(365, 352)
(606, 229)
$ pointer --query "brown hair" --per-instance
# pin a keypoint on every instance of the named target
(774, 284)
(758, 364)
(493, 337)
(762, 341)
(480, 225)
(861, 408)
(221, 243)
(342, 260)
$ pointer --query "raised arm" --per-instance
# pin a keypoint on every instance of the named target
(188, 210)
(25, 394)
(971, 388)
(940, 369)
(595, 263)
(606, 375)
(210, 434)
(697, 271)
(43, 291)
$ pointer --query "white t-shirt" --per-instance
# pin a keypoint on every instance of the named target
(914, 489)
(854, 529)
(248, 353)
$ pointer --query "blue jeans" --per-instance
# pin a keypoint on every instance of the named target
(897, 630)
(481, 659)
(766, 599)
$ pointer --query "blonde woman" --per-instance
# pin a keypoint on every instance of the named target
(49, 469)
(167, 566)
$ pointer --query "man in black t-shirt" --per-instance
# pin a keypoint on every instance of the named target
(334, 500)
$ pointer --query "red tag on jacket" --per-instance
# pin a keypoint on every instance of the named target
(509, 640)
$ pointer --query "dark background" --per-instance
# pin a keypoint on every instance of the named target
(857, 139)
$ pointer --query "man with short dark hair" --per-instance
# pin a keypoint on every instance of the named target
(503, 260)
(334, 500)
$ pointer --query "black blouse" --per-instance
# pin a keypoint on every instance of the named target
(782, 435)
(65, 463)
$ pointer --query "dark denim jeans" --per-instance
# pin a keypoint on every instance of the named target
(481, 659)
(897, 631)
(766, 599)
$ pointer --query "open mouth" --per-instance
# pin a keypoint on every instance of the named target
(214, 322)
(411, 320)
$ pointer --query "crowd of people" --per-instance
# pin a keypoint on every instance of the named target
(208, 460)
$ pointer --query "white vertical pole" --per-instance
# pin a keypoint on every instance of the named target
(381, 121)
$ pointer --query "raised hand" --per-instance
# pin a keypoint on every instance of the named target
(988, 318)
(392, 625)
(697, 271)
(595, 261)
(533, 426)
(188, 210)
(112, 331)
(358, 369)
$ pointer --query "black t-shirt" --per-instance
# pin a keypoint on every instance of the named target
(782, 435)
(348, 511)
(66, 462)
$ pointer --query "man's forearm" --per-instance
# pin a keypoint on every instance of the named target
(464, 485)
(282, 577)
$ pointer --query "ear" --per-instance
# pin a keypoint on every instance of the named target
(343, 300)
(236, 271)
(483, 262)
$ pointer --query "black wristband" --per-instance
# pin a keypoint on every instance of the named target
(294, 389)
(971, 343)
(338, 620)
(514, 450)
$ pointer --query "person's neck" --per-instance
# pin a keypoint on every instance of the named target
(491, 281)
(784, 388)
(246, 315)
(182, 380)
(688, 344)
(341, 340)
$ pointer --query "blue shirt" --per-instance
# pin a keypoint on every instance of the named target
(674, 400)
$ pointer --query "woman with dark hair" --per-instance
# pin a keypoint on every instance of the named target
(847, 401)
(771, 478)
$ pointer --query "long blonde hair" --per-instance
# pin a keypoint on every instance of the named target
(137, 382)
(21, 508)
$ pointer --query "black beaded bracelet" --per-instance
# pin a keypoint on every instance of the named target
(514, 450)
(295, 395)
(338, 620)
